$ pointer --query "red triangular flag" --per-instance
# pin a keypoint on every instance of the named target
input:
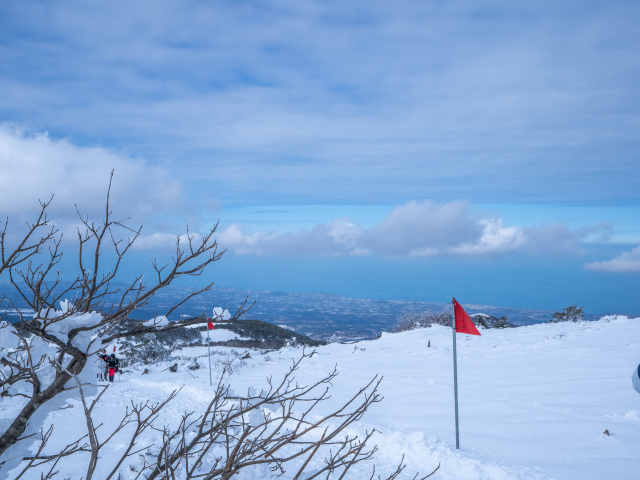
(210, 325)
(463, 323)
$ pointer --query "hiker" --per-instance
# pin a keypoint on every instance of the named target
(103, 367)
(99, 367)
(114, 365)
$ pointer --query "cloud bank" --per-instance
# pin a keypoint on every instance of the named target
(35, 166)
(627, 262)
(496, 101)
(416, 229)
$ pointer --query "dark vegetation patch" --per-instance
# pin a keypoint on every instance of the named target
(258, 330)
(412, 320)
(489, 321)
(258, 334)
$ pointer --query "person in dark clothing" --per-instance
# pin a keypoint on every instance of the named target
(113, 364)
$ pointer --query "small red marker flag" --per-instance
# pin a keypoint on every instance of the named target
(464, 324)
(210, 325)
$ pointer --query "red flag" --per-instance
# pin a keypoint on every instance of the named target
(463, 323)
(210, 325)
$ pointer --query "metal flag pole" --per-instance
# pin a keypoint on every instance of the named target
(209, 345)
(455, 370)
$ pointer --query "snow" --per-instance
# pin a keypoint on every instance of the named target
(157, 322)
(220, 314)
(221, 335)
(534, 401)
(6, 337)
(61, 327)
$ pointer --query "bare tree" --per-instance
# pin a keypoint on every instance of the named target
(92, 306)
(278, 428)
(30, 245)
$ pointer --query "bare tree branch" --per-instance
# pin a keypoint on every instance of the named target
(40, 286)
(233, 433)
(26, 249)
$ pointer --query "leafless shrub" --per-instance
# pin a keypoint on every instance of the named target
(560, 336)
(277, 428)
(231, 365)
(78, 317)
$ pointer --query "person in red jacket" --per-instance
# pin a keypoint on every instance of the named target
(113, 364)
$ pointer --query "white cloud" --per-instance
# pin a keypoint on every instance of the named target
(338, 237)
(495, 239)
(558, 239)
(35, 166)
(626, 262)
(165, 241)
(241, 243)
(423, 228)
(427, 229)
(414, 229)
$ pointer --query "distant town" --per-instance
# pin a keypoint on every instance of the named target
(317, 315)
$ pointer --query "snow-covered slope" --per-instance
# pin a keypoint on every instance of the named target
(534, 401)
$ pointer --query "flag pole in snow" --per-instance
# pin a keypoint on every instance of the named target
(462, 323)
(455, 370)
(209, 327)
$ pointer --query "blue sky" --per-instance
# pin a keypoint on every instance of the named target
(409, 149)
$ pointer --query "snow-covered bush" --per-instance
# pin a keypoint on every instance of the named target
(489, 321)
(334, 338)
(503, 322)
(145, 350)
(292, 342)
(569, 314)
(193, 364)
(412, 320)
(616, 317)
(481, 320)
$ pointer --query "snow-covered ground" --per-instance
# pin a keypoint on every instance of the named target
(220, 335)
(534, 401)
